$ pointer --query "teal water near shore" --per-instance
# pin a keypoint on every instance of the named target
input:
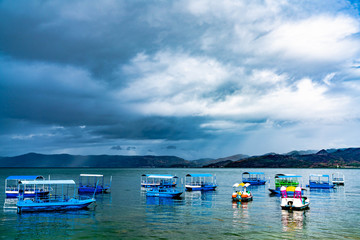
(126, 213)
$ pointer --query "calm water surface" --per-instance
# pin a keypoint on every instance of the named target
(126, 213)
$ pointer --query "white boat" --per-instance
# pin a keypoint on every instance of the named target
(295, 201)
(12, 184)
(338, 178)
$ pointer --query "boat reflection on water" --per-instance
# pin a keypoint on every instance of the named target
(164, 201)
(201, 198)
(55, 225)
(293, 220)
(241, 213)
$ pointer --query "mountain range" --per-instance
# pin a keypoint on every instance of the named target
(349, 157)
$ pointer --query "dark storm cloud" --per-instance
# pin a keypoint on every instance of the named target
(117, 147)
(96, 35)
(169, 128)
(51, 94)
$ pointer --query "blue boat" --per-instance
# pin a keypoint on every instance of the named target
(12, 184)
(158, 180)
(163, 192)
(200, 182)
(320, 181)
(90, 183)
(53, 202)
(286, 180)
(254, 178)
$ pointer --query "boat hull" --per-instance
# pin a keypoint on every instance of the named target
(288, 207)
(295, 203)
(163, 194)
(320, 186)
(200, 188)
(72, 204)
(277, 191)
(259, 182)
(90, 190)
(241, 199)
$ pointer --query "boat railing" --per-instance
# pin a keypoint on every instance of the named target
(252, 178)
(42, 189)
(338, 179)
(199, 183)
(320, 182)
(54, 198)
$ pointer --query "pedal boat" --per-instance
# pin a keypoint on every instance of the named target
(295, 201)
(242, 196)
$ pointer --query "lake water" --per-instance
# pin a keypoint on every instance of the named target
(126, 213)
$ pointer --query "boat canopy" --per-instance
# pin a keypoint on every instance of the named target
(318, 175)
(257, 173)
(290, 189)
(91, 175)
(199, 175)
(286, 176)
(48, 182)
(241, 184)
(24, 177)
(166, 176)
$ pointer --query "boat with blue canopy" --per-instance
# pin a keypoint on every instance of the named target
(158, 180)
(320, 181)
(200, 182)
(12, 184)
(163, 192)
(287, 180)
(254, 178)
(90, 183)
(59, 201)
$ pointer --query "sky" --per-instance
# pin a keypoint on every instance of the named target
(194, 79)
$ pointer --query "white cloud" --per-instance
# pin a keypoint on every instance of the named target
(327, 79)
(177, 84)
(319, 38)
(171, 83)
(302, 101)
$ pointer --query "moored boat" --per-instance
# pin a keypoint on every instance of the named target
(163, 192)
(90, 183)
(242, 196)
(200, 182)
(254, 178)
(53, 202)
(292, 199)
(158, 180)
(287, 180)
(320, 181)
(338, 178)
(12, 184)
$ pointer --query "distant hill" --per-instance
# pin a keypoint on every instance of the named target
(349, 157)
(66, 160)
(218, 161)
(301, 152)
